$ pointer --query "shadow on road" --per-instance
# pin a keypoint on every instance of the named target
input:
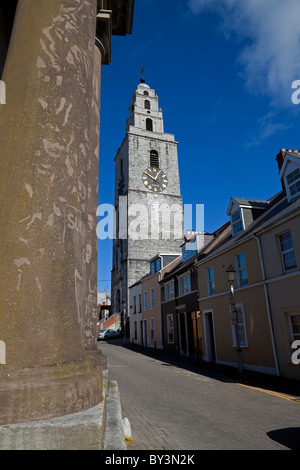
(216, 371)
(289, 437)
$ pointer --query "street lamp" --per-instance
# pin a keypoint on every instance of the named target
(231, 272)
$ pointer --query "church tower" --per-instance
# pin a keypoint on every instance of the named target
(148, 203)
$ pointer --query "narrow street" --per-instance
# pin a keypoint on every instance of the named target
(175, 406)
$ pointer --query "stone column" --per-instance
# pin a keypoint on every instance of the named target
(102, 55)
(46, 146)
(91, 249)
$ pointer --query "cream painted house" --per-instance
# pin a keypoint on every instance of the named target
(279, 242)
(263, 245)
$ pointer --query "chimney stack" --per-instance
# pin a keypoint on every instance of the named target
(280, 158)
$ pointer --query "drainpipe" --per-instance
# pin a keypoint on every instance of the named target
(267, 303)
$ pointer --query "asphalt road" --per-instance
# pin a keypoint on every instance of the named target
(175, 406)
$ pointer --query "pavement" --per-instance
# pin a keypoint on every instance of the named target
(103, 427)
(175, 403)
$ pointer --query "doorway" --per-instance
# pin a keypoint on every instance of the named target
(209, 337)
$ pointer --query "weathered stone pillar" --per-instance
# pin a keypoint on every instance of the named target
(47, 144)
(91, 249)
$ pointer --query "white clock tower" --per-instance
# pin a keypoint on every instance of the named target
(148, 202)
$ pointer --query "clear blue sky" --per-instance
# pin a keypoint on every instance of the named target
(223, 71)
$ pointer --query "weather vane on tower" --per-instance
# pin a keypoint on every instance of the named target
(142, 79)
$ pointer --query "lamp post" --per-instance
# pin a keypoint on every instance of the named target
(231, 272)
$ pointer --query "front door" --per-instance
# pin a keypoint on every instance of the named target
(209, 337)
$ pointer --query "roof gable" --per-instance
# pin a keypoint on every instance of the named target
(238, 202)
(290, 162)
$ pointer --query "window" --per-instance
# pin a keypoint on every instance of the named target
(145, 300)
(140, 303)
(151, 328)
(154, 161)
(189, 250)
(134, 304)
(146, 93)
(155, 265)
(152, 297)
(287, 252)
(184, 284)
(135, 330)
(147, 104)
(236, 222)
(242, 270)
(240, 327)
(149, 125)
(211, 281)
(170, 328)
(293, 181)
(169, 291)
(295, 326)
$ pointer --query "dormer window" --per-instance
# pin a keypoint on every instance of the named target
(289, 172)
(155, 265)
(293, 182)
(243, 212)
(237, 222)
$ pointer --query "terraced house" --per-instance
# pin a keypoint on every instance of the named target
(263, 246)
(181, 319)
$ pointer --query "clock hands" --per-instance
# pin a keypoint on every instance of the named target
(150, 176)
(157, 175)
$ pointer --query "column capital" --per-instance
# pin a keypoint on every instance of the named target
(103, 34)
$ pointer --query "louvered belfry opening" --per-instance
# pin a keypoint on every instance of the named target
(154, 160)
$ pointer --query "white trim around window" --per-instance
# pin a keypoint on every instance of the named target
(210, 277)
(170, 290)
(170, 328)
(184, 283)
(237, 223)
(292, 180)
(152, 298)
(286, 246)
(241, 268)
(241, 327)
(294, 325)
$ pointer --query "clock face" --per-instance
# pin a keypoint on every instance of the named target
(155, 180)
(121, 186)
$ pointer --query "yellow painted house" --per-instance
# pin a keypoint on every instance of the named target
(261, 314)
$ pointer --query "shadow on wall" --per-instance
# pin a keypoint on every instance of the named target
(7, 15)
(288, 437)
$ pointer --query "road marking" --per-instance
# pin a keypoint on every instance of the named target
(276, 394)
